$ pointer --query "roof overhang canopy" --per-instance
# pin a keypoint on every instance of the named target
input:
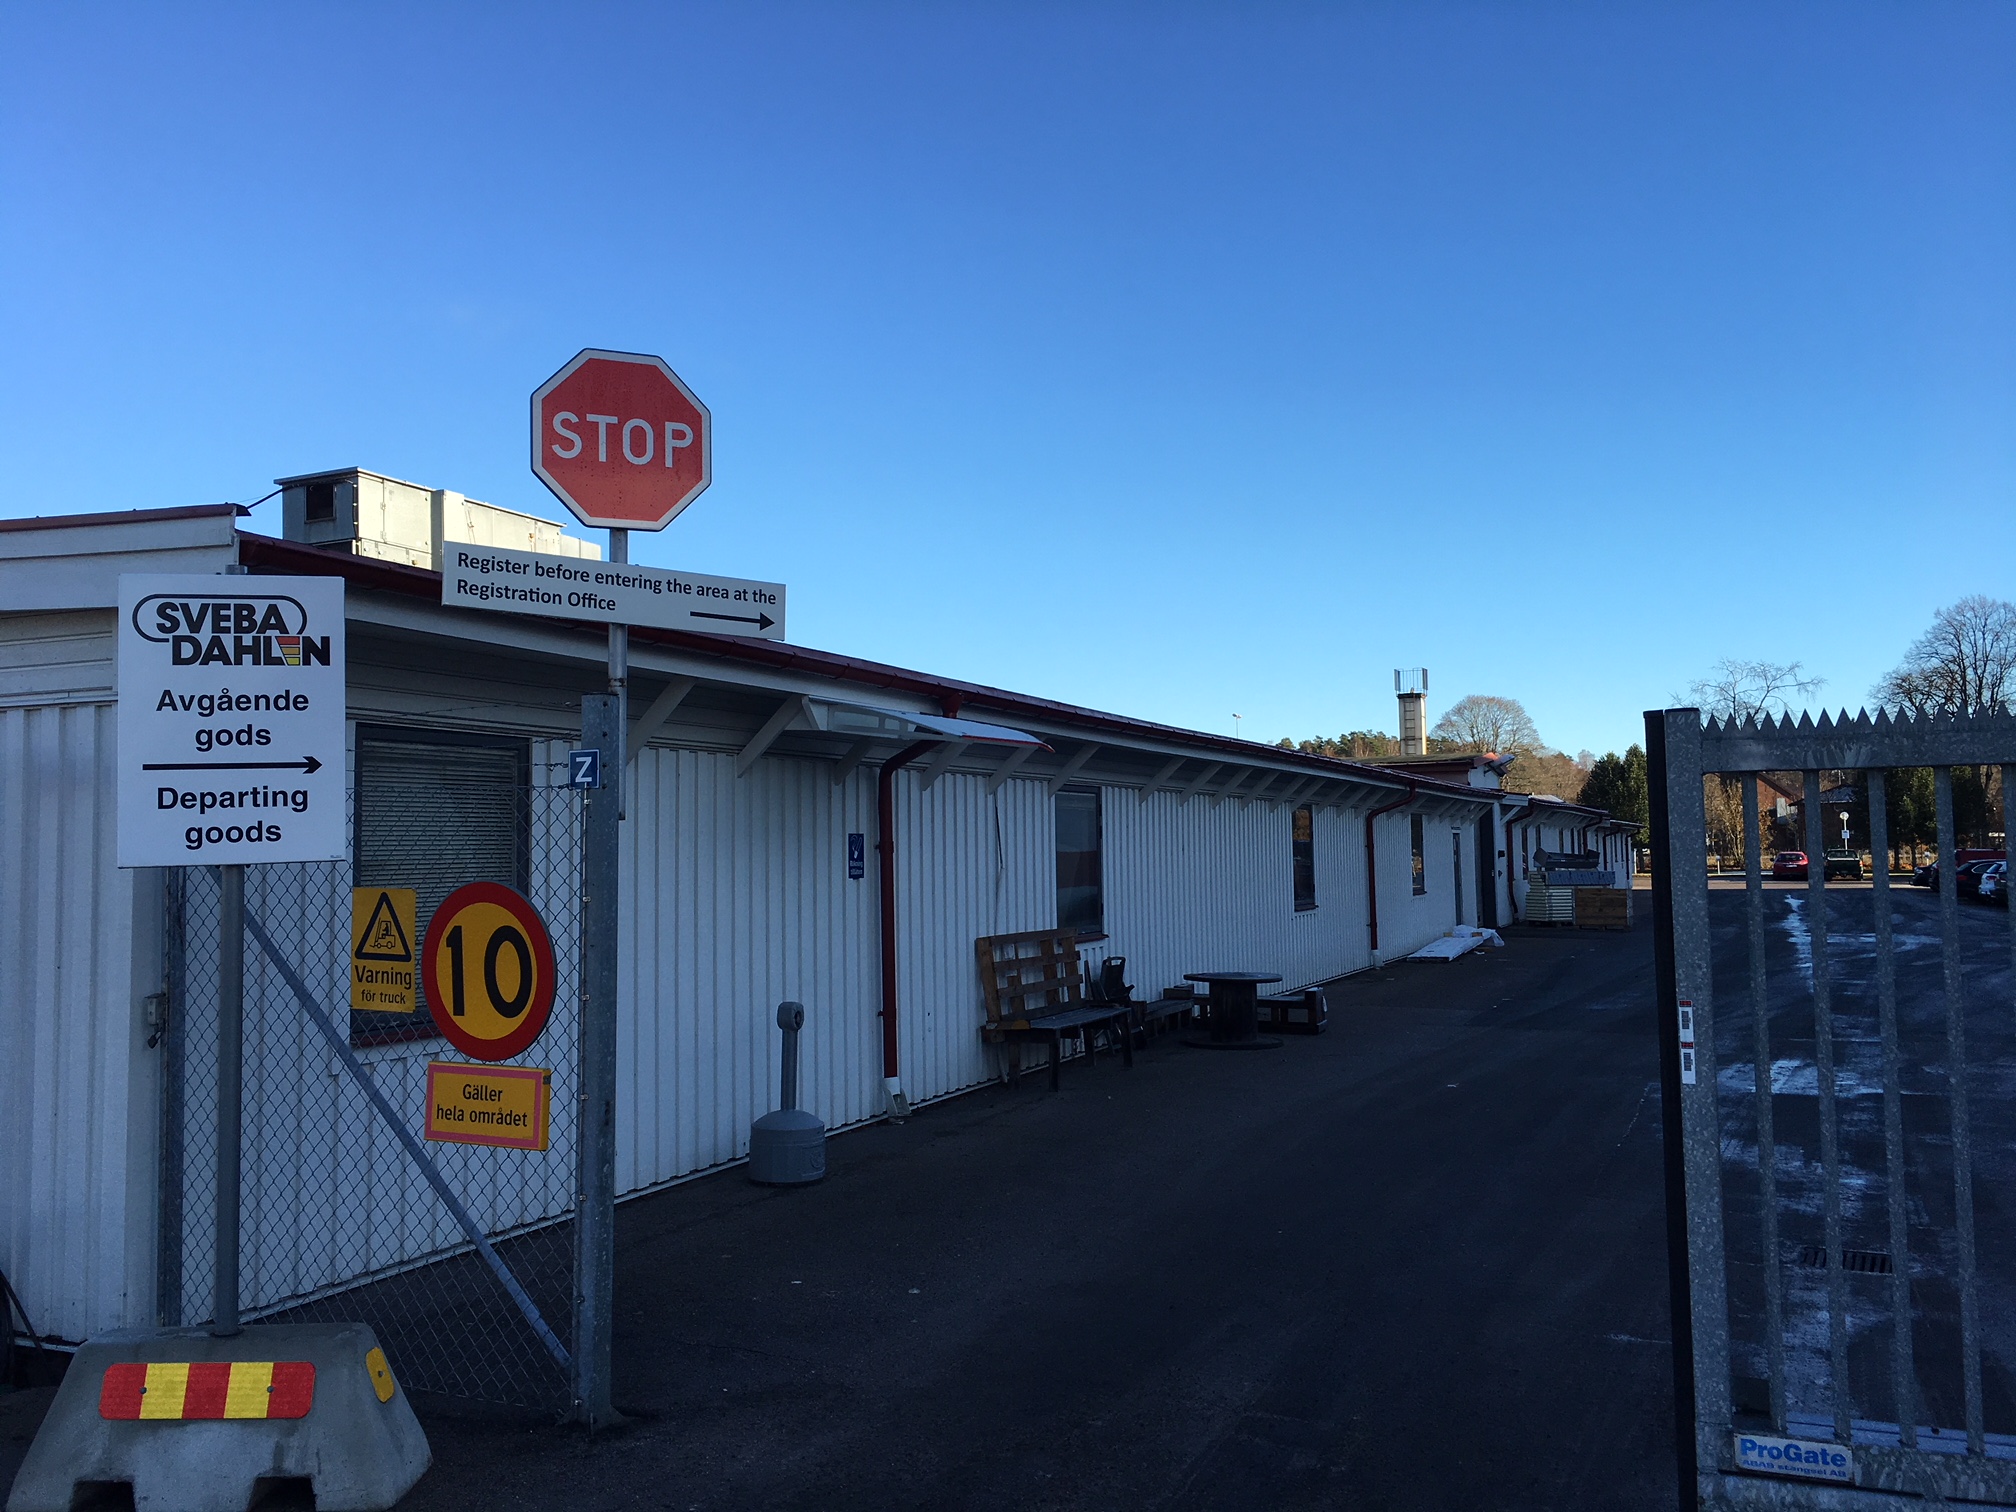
(867, 722)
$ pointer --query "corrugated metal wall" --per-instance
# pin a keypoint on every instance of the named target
(1408, 920)
(969, 865)
(76, 1098)
(736, 898)
(1204, 887)
(741, 900)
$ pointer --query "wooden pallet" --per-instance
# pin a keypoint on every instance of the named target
(1602, 908)
(1028, 975)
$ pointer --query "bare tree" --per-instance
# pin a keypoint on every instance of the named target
(1751, 689)
(1545, 771)
(1488, 725)
(1964, 664)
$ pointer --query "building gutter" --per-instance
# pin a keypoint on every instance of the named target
(885, 850)
(1372, 863)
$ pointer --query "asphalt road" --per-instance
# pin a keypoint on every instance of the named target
(1415, 1263)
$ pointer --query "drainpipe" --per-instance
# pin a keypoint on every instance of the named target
(885, 850)
(1372, 863)
(1521, 815)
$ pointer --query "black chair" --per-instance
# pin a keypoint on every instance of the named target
(1112, 984)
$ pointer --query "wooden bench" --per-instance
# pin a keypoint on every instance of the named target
(1175, 1005)
(1034, 987)
(1304, 1012)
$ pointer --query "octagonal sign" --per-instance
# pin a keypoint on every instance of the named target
(621, 440)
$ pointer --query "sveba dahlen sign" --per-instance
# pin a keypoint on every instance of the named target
(231, 708)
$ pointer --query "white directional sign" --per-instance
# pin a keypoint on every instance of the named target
(528, 582)
(231, 707)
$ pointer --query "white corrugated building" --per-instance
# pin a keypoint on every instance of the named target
(754, 764)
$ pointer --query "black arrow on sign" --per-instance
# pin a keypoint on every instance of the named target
(305, 765)
(760, 621)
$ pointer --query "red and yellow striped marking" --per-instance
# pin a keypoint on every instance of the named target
(180, 1391)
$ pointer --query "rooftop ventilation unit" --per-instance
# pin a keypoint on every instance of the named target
(370, 515)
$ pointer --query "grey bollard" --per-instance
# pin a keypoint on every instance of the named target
(788, 1147)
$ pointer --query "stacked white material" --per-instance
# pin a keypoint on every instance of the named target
(1549, 905)
(1460, 941)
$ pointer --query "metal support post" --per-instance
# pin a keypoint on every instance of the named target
(230, 1094)
(1680, 1309)
(595, 1201)
(619, 684)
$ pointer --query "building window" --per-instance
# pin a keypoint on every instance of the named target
(321, 503)
(1420, 838)
(435, 810)
(1081, 902)
(1304, 833)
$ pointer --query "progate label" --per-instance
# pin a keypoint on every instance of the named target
(231, 719)
(1801, 1457)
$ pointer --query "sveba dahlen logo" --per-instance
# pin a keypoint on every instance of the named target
(231, 630)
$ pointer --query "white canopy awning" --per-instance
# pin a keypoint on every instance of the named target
(865, 721)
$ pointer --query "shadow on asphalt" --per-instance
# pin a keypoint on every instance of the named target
(1417, 1262)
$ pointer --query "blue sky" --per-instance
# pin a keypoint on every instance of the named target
(1176, 359)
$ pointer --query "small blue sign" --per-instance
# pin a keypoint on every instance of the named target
(584, 769)
(1801, 1457)
(857, 857)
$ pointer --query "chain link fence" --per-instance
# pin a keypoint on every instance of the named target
(460, 1257)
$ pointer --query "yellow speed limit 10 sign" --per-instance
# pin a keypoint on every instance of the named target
(488, 970)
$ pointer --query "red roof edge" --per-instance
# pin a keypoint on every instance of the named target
(125, 517)
(420, 582)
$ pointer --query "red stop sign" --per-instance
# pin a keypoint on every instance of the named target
(621, 440)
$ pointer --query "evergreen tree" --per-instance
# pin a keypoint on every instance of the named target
(1618, 784)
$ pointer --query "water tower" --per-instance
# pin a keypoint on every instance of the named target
(1411, 683)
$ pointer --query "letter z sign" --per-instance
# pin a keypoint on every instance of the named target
(621, 440)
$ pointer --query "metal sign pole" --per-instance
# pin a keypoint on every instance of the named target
(1679, 1289)
(619, 666)
(602, 728)
(230, 1093)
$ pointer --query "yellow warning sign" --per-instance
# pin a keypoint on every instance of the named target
(381, 950)
(488, 1105)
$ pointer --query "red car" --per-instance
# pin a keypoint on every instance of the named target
(1789, 866)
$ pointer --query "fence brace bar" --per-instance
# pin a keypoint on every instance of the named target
(414, 1149)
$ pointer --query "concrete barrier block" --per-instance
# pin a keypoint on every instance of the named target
(193, 1440)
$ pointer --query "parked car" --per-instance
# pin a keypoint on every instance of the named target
(1789, 866)
(1994, 884)
(1967, 878)
(1843, 863)
(1926, 876)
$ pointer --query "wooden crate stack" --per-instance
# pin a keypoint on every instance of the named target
(1602, 908)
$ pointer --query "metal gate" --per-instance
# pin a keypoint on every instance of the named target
(1839, 1068)
(460, 1257)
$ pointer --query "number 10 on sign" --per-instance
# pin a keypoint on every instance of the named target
(488, 970)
